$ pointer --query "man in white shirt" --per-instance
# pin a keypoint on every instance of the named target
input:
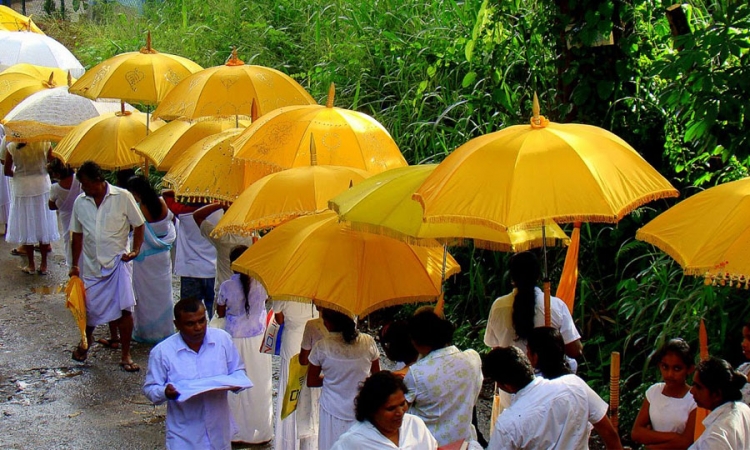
(195, 353)
(544, 413)
(100, 222)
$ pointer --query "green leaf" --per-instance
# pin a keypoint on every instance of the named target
(469, 49)
(469, 79)
(604, 89)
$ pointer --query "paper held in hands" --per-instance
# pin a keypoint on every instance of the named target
(237, 381)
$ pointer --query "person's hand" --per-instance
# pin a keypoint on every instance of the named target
(170, 392)
(129, 256)
(74, 272)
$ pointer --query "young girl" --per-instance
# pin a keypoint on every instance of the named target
(744, 368)
(667, 417)
(242, 300)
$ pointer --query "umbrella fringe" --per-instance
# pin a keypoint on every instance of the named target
(521, 246)
(390, 232)
(267, 223)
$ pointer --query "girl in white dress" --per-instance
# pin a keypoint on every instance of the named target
(308, 407)
(62, 195)
(347, 358)
(667, 416)
(744, 368)
(242, 300)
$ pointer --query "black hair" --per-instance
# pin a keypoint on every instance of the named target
(718, 376)
(396, 341)
(679, 347)
(122, 176)
(426, 328)
(91, 171)
(548, 346)
(58, 169)
(374, 393)
(188, 305)
(341, 323)
(508, 365)
(140, 186)
(524, 271)
(244, 279)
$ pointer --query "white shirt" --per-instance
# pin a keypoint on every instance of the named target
(727, 427)
(744, 369)
(202, 422)
(30, 176)
(668, 414)
(224, 246)
(501, 333)
(345, 367)
(443, 388)
(549, 414)
(105, 229)
(315, 330)
(413, 435)
(194, 255)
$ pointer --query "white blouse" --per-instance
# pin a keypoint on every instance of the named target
(668, 414)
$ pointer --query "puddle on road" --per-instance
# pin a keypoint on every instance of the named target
(48, 290)
(31, 387)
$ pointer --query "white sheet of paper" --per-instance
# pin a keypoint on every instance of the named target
(191, 388)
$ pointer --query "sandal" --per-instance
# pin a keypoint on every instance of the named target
(28, 270)
(114, 344)
(15, 252)
(79, 354)
(42, 272)
(130, 367)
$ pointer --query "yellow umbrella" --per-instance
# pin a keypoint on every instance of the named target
(230, 91)
(166, 146)
(145, 76)
(317, 258)
(383, 204)
(106, 140)
(75, 293)
(343, 138)
(284, 195)
(15, 87)
(11, 20)
(41, 73)
(708, 234)
(208, 171)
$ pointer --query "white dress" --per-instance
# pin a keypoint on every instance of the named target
(413, 435)
(64, 199)
(345, 367)
(5, 198)
(668, 414)
(744, 369)
(308, 406)
(296, 315)
(152, 274)
(252, 409)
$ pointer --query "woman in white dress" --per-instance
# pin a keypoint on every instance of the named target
(242, 300)
(4, 187)
(347, 358)
(152, 269)
(308, 406)
(382, 419)
(31, 221)
(62, 195)
(294, 316)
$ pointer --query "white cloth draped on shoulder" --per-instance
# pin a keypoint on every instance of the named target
(413, 435)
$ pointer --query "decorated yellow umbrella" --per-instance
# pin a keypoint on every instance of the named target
(208, 171)
(106, 140)
(10, 20)
(145, 76)
(708, 234)
(383, 204)
(75, 293)
(166, 146)
(281, 196)
(343, 138)
(317, 258)
(230, 90)
(15, 87)
(41, 73)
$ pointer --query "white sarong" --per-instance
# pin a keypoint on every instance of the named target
(108, 295)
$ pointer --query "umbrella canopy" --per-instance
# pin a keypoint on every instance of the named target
(50, 114)
(145, 76)
(36, 49)
(343, 137)
(383, 204)
(11, 20)
(75, 292)
(317, 258)
(16, 87)
(166, 146)
(708, 234)
(230, 91)
(208, 171)
(281, 196)
(106, 140)
(39, 72)
(542, 171)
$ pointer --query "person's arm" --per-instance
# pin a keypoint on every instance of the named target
(52, 205)
(279, 317)
(679, 440)
(303, 357)
(201, 213)
(642, 432)
(76, 247)
(136, 247)
(8, 165)
(574, 349)
(221, 310)
(607, 432)
(374, 366)
(156, 388)
(314, 378)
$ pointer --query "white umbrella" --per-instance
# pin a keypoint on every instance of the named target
(50, 114)
(33, 48)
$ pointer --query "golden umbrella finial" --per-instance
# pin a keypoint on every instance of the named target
(233, 59)
(147, 48)
(50, 83)
(122, 111)
(313, 151)
(254, 114)
(537, 120)
(70, 79)
(331, 95)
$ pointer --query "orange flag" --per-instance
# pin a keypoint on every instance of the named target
(566, 289)
(701, 413)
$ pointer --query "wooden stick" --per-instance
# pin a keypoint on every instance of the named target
(614, 389)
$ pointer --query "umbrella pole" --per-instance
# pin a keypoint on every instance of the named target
(148, 111)
(441, 300)
(614, 389)
(546, 283)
